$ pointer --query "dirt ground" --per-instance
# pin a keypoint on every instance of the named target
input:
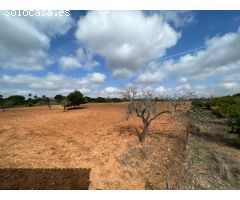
(95, 136)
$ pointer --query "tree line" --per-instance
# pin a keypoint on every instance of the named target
(74, 99)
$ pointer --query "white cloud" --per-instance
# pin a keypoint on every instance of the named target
(221, 56)
(183, 87)
(182, 80)
(122, 73)
(152, 74)
(51, 83)
(52, 25)
(69, 63)
(94, 78)
(111, 92)
(111, 89)
(18, 79)
(82, 59)
(219, 60)
(24, 41)
(161, 90)
(217, 89)
(128, 40)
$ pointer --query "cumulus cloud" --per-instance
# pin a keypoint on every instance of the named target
(111, 92)
(128, 40)
(182, 80)
(69, 63)
(217, 89)
(161, 90)
(24, 41)
(152, 74)
(82, 60)
(93, 78)
(51, 83)
(220, 59)
(52, 25)
(221, 56)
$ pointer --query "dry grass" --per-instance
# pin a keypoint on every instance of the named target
(212, 161)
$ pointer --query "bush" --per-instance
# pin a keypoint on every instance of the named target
(197, 103)
(223, 101)
(217, 111)
(202, 103)
(228, 107)
(75, 98)
(58, 98)
(16, 100)
(233, 117)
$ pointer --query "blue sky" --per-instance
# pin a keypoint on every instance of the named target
(101, 52)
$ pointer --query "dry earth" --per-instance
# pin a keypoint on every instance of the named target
(95, 136)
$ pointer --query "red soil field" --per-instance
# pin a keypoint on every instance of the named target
(95, 136)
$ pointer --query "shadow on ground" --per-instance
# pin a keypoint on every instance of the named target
(76, 108)
(44, 179)
(128, 130)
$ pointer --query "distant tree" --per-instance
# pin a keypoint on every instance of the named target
(17, 99)
(30, 95)
(35, 97)
(75, 98)
(58, 98)
(236, 95)
(116, 100)
(1, 101)
(156, 99)
(47, 101)
(6, 104)
(86, 99)
(100, 100)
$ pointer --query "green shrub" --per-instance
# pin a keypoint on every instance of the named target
(197, 103)
(233, 117)
(223, 101)
(75, 98)
(217, 111)
(17, 100)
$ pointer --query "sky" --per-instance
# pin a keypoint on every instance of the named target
(101, 53)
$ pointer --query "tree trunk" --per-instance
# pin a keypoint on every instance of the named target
(144, 133)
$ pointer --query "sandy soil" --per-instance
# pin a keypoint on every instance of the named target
(95, 136)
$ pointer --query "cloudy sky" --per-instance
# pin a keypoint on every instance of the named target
(102, 52)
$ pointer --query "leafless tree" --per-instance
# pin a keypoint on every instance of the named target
(143, 104)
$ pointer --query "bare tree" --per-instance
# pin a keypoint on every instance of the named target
(143, 104)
